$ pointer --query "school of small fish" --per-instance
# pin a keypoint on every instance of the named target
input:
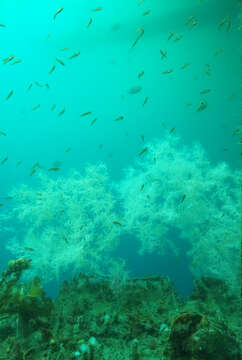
(137, 39)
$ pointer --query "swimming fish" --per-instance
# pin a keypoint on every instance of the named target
(193, 24)
(217, 52)
(135, 90)
(8, 59)
(142, 138)
(86, 113)
(119, 118)
(60, 62)
(34, 167)
(141, 33)
(9, 95)
(54, 169)
(145, 100)
(203, 104)
(99, 8)
(58, 12)
(9, 198)
(208, 70)
(228, 25)
(147, 12)
(75, 55)
(140, 74)
(68, 149)
(190, 19)
(167, 71)
(183, 198)
(17, 61)
(52, 69)
(178, 38)
(117, 223)
(61, 112)
(36, 164)
(3, 133)
(170, 36)
(163, 54)
(65, 238)
(172, 130)
(93, 121)
(38, 84)
(222, 22)
(35, 289)
(29, 87)
(53, 107)
(236, 132)
(2, 25)
(185, 66)
(89, 23)
(143, 151)
(206, 91)
(4, 160)
(36, 107)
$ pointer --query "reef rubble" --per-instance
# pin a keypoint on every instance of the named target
(145, 319)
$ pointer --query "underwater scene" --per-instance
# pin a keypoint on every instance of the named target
(120, 155)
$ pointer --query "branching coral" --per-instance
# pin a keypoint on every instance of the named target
(65, 224)
(176, 188)
(71, 222)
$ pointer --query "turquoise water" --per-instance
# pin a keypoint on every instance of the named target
(99, 80)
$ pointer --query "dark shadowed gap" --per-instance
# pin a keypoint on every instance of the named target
(176, 267)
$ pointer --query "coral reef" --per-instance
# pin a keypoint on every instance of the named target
(171, 189)
(73, 223)
(24, 313)
(146, 320)
(196, 336)
(65, 224)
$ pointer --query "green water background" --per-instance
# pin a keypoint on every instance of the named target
(99, 80)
